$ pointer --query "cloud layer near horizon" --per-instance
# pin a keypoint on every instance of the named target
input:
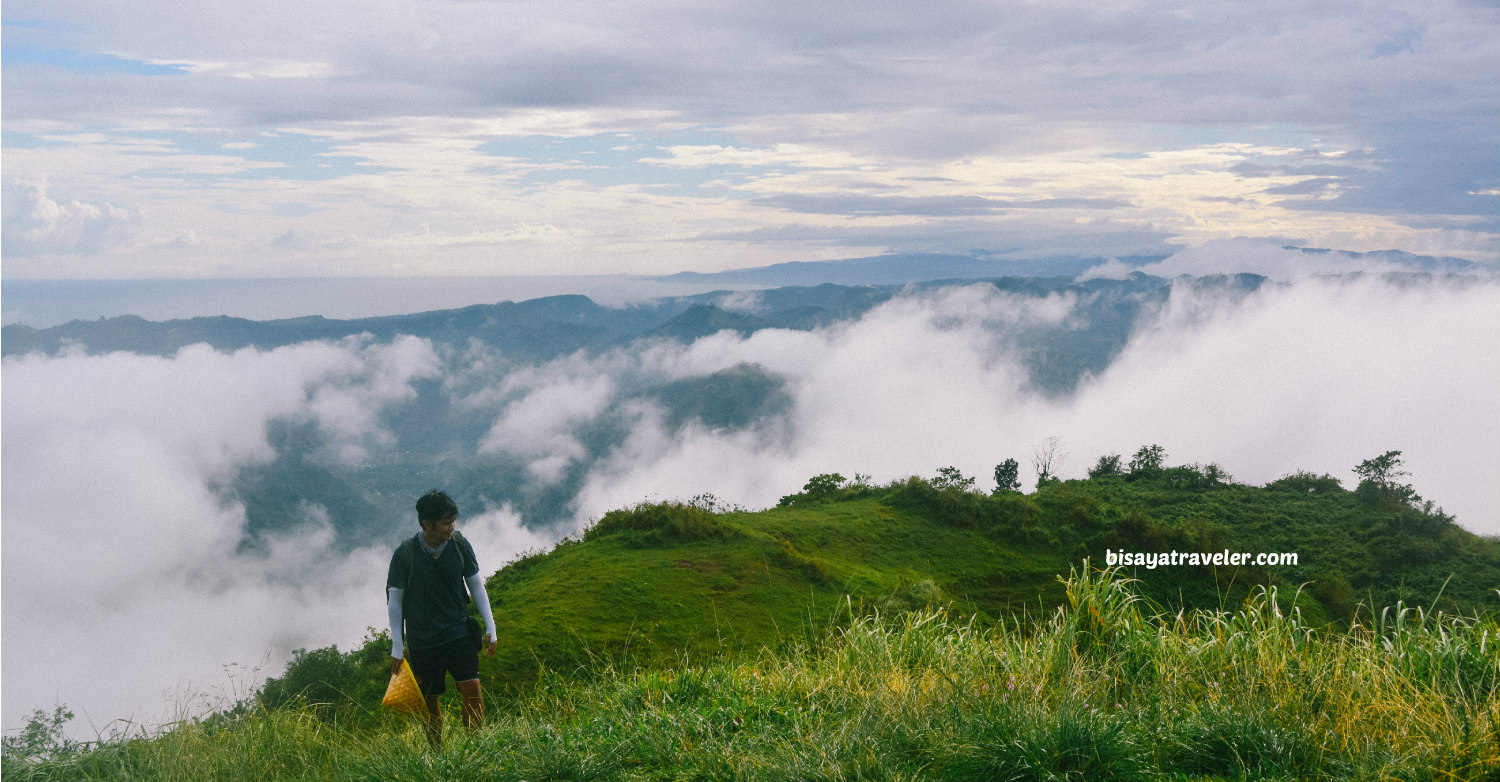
(115, 464)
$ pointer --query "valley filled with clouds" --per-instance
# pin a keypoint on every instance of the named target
(167, 515)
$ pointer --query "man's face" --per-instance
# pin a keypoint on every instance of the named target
(441, 529)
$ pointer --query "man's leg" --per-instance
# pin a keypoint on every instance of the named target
(427, 666)
(434, 722)
(473, 703)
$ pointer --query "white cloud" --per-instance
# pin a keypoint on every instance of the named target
(121, 550)
(347, 410)
(1112, 269)
(263, 69)
(1147, 107)
(539, 426)
(499, 536)
(35, 224)
(1317, 376)
(740, 301)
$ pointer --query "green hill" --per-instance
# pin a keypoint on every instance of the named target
(658, 584)
(655, 582)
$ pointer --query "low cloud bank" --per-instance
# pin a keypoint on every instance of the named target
(1314, 376)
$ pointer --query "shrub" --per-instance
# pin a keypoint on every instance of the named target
(1195, 477)
(1010, 514)
(317, 678)
(819, 488)
(650, 525)
(1306, 483)
(949, 478)
(1148, 462)
(42, 738)
(1106, 466)
(712, 504)
(1074, 510)
(912, 596)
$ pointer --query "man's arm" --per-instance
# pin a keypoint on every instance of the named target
(393, 611)
(482, 600)
(397, 579)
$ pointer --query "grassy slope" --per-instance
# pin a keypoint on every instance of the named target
(653, 596)
(778, 576)
(1099, 690)
(611, 661)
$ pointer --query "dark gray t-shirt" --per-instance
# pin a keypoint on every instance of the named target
(434, 604)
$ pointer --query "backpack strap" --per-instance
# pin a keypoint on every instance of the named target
(463, 561)
(409, 553)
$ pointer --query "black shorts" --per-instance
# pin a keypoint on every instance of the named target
(458, 657)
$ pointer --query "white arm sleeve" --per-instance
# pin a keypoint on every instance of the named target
(393, 610)
(476, 590)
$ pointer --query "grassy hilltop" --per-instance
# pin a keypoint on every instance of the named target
(923, 630)
(656, 583)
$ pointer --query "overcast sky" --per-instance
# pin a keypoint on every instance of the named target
(275, 138)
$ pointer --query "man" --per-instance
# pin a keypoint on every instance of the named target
(425, 591)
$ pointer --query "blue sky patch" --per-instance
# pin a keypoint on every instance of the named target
(13, 55)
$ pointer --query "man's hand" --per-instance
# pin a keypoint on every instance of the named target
(395, 665)
(489, 644)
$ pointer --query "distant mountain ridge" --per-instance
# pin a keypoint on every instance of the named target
(532, 330)
(438, 433)
(902, 268)
(1427, 263)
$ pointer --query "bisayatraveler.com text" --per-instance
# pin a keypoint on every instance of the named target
(1154, 559)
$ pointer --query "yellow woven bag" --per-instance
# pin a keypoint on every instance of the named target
(402, 694)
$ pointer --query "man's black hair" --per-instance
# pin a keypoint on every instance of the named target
(435, 506)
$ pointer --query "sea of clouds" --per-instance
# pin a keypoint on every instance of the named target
(127, 592)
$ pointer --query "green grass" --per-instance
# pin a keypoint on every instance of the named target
(1105, 688)
(632, 593)
(921, 631)
(651, 584)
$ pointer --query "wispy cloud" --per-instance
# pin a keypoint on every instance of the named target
(1166, 113)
